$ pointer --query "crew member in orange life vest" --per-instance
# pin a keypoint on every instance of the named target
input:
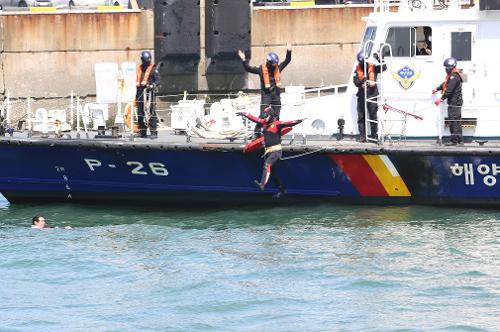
(270, 82)
(452, 92)
(148, 79)
(362, 74)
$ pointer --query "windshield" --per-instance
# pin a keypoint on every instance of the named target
(370, 34)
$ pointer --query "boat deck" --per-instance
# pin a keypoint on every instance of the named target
(169, 140)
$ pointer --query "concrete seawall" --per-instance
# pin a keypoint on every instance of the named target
(52, 54)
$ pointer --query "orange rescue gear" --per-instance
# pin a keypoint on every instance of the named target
(143, 80)
(371, 73)
(128, 113)
(267, 79)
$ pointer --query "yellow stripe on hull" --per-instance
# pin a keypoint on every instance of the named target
(387, 175)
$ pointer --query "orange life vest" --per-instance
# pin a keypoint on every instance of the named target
(447, 79)
(267, 78)
(361, 73)
(143, 80)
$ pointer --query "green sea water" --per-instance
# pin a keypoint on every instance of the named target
(299, 268)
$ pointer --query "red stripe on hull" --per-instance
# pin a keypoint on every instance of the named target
(360, 174)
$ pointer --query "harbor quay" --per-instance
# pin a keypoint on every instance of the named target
(51, 54)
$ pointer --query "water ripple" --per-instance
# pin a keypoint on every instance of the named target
(327, 268)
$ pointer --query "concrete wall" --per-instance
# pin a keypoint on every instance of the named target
(52, 54)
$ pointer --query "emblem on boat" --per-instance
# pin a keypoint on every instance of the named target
(406, 77)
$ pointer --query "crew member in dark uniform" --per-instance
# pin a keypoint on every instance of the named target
(367, 74)
(270, 82)
(147, 81)
(451, 90)
(271, 128)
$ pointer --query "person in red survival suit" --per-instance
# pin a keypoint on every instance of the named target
(271, 127)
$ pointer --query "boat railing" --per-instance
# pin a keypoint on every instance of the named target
(5, 111)
(83, 116)
(325, 90)
(385, 6)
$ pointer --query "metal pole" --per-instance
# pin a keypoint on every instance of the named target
(30, 129)
(132, 119)
(71, 109)
(119, 114)
(77, 117)
(7, 113)
(440, 125)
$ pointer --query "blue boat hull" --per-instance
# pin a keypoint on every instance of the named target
(173, 175)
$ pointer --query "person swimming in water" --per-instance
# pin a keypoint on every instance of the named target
(39, 222)
(271, 128)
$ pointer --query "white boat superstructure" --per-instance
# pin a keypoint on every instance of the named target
(414, 38)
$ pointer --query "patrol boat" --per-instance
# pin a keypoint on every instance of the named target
(405, 164)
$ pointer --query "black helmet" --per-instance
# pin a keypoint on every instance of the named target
(268, 114)
(146, 57)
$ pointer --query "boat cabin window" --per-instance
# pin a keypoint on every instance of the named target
(461, 45)
(409, 41)
(370, 34)
(424, 40)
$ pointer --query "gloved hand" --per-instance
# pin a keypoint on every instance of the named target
(150, 87)
(240, 113)
(434, 91)
(241, 54)
(376, 57)
(438, 102)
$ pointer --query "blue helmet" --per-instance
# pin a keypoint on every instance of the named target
(272, 58)
(450, 63)
(146, 56)
(360, 56)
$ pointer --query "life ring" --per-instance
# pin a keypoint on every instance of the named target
(126, 116)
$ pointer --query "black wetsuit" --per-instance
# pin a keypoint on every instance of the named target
(372, 108)
(153, 81)
(272, 144)
(269, 96)
(453, 94)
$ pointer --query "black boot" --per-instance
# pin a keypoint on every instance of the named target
(261, 186)
(280, 193)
